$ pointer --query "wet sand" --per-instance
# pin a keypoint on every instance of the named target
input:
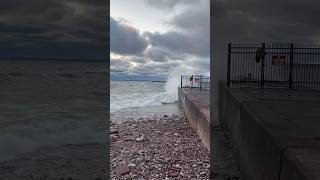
(157, 145)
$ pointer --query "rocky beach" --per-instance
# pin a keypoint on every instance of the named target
(156, 146)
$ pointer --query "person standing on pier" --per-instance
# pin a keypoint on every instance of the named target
(191, 80)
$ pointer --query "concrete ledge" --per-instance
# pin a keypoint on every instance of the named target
(196, 106)
(270, 129)
(301, 163)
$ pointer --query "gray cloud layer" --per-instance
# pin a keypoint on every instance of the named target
(54, 28)
(169, 4)
(266, 20)
(192, 30)
(125, 39)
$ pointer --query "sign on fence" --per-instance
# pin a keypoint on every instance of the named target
(279, 59)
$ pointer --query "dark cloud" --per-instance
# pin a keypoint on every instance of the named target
(169, 3)
(61, 28)
(161, 55)
(194, 19)
(192, 29)
(126, 39)
(266, 20)
(179, 43)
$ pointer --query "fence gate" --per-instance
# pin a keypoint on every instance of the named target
(273, 65)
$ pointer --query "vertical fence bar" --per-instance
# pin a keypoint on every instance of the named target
(291, 66)
(181, 82)
(229, 64)
(200, 82)
(262, 66)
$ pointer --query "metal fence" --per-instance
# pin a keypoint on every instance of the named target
(274, 65)
(200, 82)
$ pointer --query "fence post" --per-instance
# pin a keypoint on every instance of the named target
(181, 82)
(200, 82)
(262, 65)
(291, 66)
(229, 64)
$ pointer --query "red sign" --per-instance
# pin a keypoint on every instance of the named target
(279, 59)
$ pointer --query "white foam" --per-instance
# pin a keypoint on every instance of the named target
(125, 101)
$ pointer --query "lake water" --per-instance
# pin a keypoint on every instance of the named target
(54, 110)
(137, 94)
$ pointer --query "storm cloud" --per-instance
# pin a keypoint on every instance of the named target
(54, 29)
(192, 30)
(179, 43)
(126, 39)
(266, 20)
(169, 3)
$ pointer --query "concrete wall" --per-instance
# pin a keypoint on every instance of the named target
(197, 111)
(271, 139)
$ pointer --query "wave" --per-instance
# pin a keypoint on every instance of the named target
(126, 101)
(25, 139)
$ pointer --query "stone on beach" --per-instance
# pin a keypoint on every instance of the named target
(173, 174)
(122, 169)
(113, 138)
(114, 131)
(140, 139)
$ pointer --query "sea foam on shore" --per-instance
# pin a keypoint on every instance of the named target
(133, 94)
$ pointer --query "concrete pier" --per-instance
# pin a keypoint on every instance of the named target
(196, 105)
(275, 133)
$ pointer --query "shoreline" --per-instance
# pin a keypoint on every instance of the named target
(157, 147)
(139, 113)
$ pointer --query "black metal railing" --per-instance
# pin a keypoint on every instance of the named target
(200, 82)
(270, 65)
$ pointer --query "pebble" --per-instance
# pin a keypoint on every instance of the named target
(114, 131)
(173, 174)
(132, 165)
(122, 169)
(140, 139)
(177, 166)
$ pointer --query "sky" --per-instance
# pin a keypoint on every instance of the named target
(63, 29)
(151, 39)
